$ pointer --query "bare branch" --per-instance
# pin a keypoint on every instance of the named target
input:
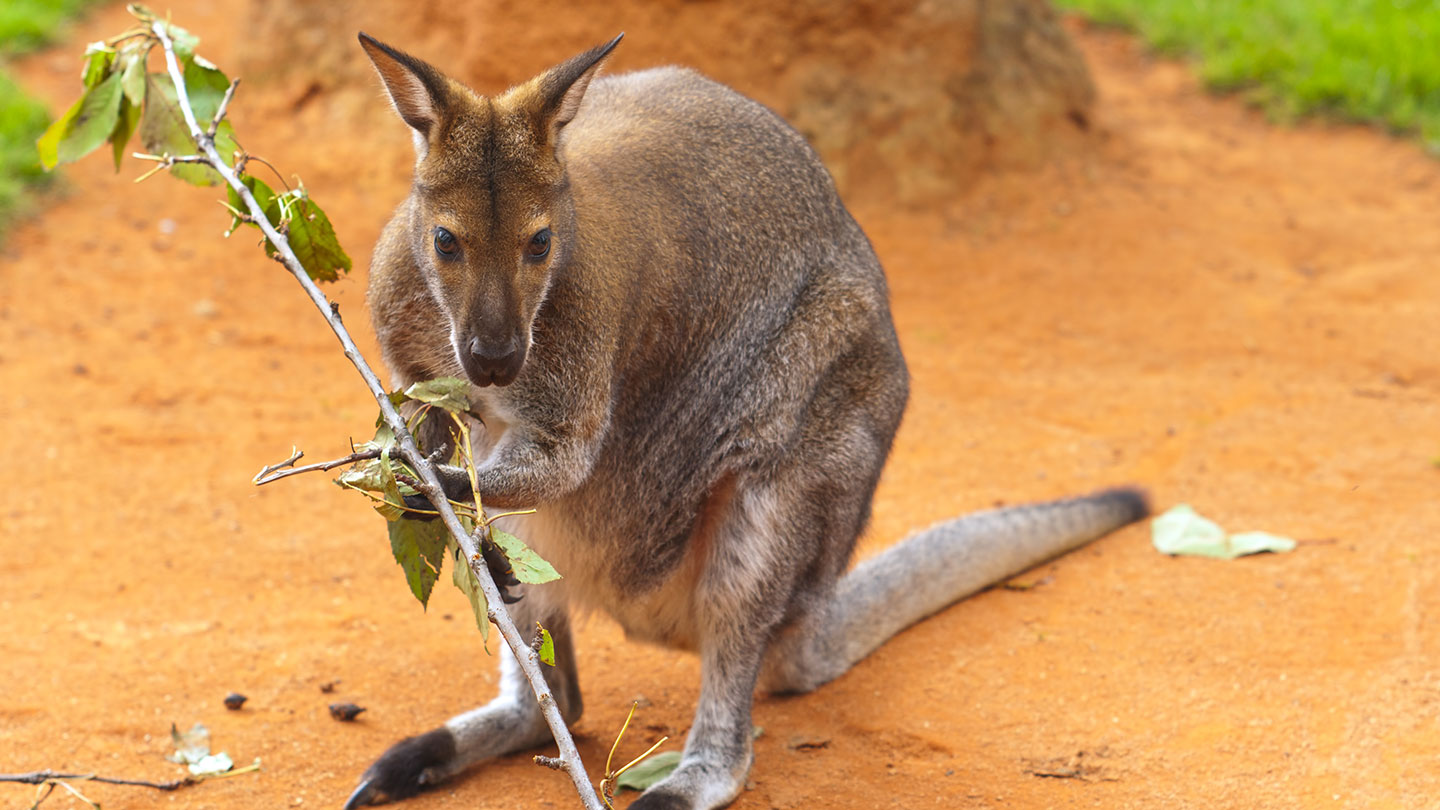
(429, 482)
(220, 111)
(295, 455)
(269, 473)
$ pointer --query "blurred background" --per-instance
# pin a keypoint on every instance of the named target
(1189, 245)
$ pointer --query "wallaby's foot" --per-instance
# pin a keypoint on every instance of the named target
(695, 786)
(410, 766)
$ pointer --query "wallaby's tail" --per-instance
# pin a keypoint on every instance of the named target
(934, 568)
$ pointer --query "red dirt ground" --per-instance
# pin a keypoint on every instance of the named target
(1236, 316)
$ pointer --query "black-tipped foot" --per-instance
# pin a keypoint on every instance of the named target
(403, 771)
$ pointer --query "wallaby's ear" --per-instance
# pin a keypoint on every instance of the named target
(418, 91)
(563, 87)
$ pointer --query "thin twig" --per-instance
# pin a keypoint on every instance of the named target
(492, 518)
(74, 791)
(168, 160)
(163, 162)
(251, 768)
(159, 167)
(267, 164)
(275, 472)
(220, 111)
(609, 783)
(41, 777)
(42, 793)
(380, 499)
(430, 482)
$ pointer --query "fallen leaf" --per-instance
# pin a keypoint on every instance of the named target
(1182, 530)
(651, 770)
(212, 764)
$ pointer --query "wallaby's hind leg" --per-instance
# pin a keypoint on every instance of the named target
(735, 621)
(787, 537)
(932, 569)
(510, 722)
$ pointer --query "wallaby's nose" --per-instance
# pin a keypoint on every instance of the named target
(498, 364)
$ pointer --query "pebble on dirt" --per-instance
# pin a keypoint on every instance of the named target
(234, 701)
(345, 712)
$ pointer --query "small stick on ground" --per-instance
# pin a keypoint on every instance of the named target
(41, 777)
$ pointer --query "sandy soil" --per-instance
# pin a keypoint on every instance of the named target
(1236, 316)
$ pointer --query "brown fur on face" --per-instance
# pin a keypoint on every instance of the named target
(491, 219)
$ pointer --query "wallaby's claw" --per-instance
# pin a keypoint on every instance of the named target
(363, 795)
(421, 505)
(500, 570)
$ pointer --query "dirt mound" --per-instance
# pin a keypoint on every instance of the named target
(907, 100)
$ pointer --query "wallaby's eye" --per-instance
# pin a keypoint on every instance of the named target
(539, 245)
(445, 242)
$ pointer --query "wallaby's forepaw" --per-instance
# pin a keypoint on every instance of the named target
(410, 766)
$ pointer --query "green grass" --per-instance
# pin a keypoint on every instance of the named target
(1362, 60)
(24, 26)
(22, 119)
(28, 24)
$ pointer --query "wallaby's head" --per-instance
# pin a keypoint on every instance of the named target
(492, 219)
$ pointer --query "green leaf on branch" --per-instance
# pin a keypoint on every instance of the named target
(384, 436)
(397, 398)
(311, 237)
(526, 564)
(364, 475)
(419, 547)
(125, 124)
(449, 393)
(393, 507)
(465, 580)
(547, 648)
(163, 129)
(206, 86)
(84, 126)
(305, 225)
(182, 41)
(367, 475)
(132, 74)
(264, 197)
(98, 58)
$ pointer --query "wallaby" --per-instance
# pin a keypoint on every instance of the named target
(681, 346)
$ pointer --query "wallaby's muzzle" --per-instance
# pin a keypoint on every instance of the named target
(492, 363)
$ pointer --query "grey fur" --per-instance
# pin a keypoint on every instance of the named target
(711, 386)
